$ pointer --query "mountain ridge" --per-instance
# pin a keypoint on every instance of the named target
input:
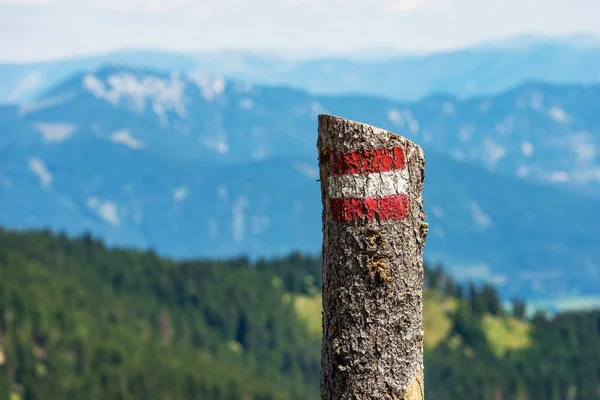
(194, 165)
(167, 92)
(484, 68)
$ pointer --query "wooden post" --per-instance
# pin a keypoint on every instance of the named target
(373, 238)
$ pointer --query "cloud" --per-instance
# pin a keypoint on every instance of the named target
(441, 8)
(297, 3)
(319, 7)
(406, 6)
(62, 28)
(25, 2)
(336, 7)
(393, 6)
(151, 7)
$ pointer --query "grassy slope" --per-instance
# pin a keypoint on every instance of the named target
(503, 333)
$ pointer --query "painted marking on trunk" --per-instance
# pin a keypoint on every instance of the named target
(368, 184)
(392, 207)
(371, 185)
(368, 161)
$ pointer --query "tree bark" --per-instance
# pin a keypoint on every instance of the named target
(373, 238)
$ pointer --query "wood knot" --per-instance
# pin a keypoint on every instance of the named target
(376, 262)
(374, 241)
(378, 269)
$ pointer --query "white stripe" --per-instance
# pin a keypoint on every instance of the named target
(370, 185)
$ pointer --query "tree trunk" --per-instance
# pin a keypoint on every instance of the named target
(373, 238)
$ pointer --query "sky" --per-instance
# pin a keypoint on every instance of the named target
(48, 29)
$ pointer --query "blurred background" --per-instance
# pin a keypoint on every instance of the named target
(160, 211)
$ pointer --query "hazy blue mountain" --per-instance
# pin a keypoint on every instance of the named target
(483, 69)
(526, 41)
(25, 81)
(538, 132)
(197, 166)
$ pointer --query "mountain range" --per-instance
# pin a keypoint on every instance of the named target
(194, 165)
(482, 69)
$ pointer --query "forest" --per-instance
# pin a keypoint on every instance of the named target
(80, 320)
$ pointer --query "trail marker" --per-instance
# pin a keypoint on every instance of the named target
(373, 238)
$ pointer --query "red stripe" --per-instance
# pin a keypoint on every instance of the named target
(392, 207)
(368, 161)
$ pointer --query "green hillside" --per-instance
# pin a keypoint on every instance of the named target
(82, 321)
